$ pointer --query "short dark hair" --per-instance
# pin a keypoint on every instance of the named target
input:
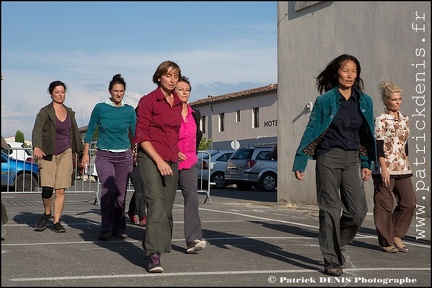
(163, 69)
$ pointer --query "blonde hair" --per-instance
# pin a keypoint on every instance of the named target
(387, 89)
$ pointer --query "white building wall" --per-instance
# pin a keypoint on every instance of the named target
(391, 40)
(241, 131)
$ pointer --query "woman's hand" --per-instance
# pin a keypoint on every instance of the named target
(366, 173)
(38, 153)
(385, 177)
(181, 156)
(164, 168)
(85, 160)
(299, 175)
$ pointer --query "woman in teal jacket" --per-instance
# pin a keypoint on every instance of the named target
(339, 136)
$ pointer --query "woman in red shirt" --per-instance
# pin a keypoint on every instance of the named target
(157, 132)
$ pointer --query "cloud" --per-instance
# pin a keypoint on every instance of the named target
(87, 75)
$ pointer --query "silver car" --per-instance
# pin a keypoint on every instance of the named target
(252, 166)
(217, 167)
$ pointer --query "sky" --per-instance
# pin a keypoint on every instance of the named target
(222, 47)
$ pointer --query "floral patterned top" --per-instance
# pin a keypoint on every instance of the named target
(394, 134)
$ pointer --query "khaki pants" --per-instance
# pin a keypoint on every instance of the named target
(160, 192)
(57, 173)
(393, 220)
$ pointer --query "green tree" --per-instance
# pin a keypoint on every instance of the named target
(205, 144)
(19, 137)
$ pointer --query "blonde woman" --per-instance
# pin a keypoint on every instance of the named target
(392, 174)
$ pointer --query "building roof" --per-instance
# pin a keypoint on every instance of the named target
(214, 99)
(230, 96)
(4, 145)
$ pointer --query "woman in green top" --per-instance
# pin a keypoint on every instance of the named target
(114, 120)
(340, 137)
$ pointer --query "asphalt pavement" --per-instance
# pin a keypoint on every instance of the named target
(251, 241)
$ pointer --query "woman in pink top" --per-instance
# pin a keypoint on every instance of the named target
(189, 139)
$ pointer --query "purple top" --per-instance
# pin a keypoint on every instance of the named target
(63, 135)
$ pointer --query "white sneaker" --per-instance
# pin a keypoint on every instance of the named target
(196, 246)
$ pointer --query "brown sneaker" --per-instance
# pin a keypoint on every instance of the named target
(389, 249)
(400, 245)
(333, 269)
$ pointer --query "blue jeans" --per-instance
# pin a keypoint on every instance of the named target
(113, 170)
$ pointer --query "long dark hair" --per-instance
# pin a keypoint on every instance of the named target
(328, 79)
(55, 84)
(117, 79)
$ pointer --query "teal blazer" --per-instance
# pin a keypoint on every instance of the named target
(323, 112)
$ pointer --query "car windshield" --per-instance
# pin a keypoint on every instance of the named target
(242, 154)
(205, 155)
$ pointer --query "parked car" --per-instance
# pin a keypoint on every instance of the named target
(19, 151)
(252, 166)
(217, 166)
(22, 175)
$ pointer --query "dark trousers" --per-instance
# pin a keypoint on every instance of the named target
(137, 204)
(390, 220)
(160, 192)
(341, 201)
(188, 182)
(113, 170)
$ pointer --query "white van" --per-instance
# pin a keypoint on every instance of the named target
(20, 152)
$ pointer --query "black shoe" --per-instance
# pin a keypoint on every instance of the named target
(57, 227)
(333, 269)
(154, 265)
(41, 223)
(120, 235)
(343, 265)
(105, 236)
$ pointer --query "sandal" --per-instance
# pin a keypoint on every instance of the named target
(389, 249)
(400, 245)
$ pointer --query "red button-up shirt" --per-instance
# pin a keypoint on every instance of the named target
(159, 123)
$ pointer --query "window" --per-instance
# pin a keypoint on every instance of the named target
(255, 116)
(299, 5)
(203, 124)
(238, 116)
(221, 122)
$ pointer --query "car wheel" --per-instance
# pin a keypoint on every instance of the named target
(25, 182)
(268, 182)
(219, 180)
(244, 186)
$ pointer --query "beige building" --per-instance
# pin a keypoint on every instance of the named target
(244, 118)
(391, 40)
